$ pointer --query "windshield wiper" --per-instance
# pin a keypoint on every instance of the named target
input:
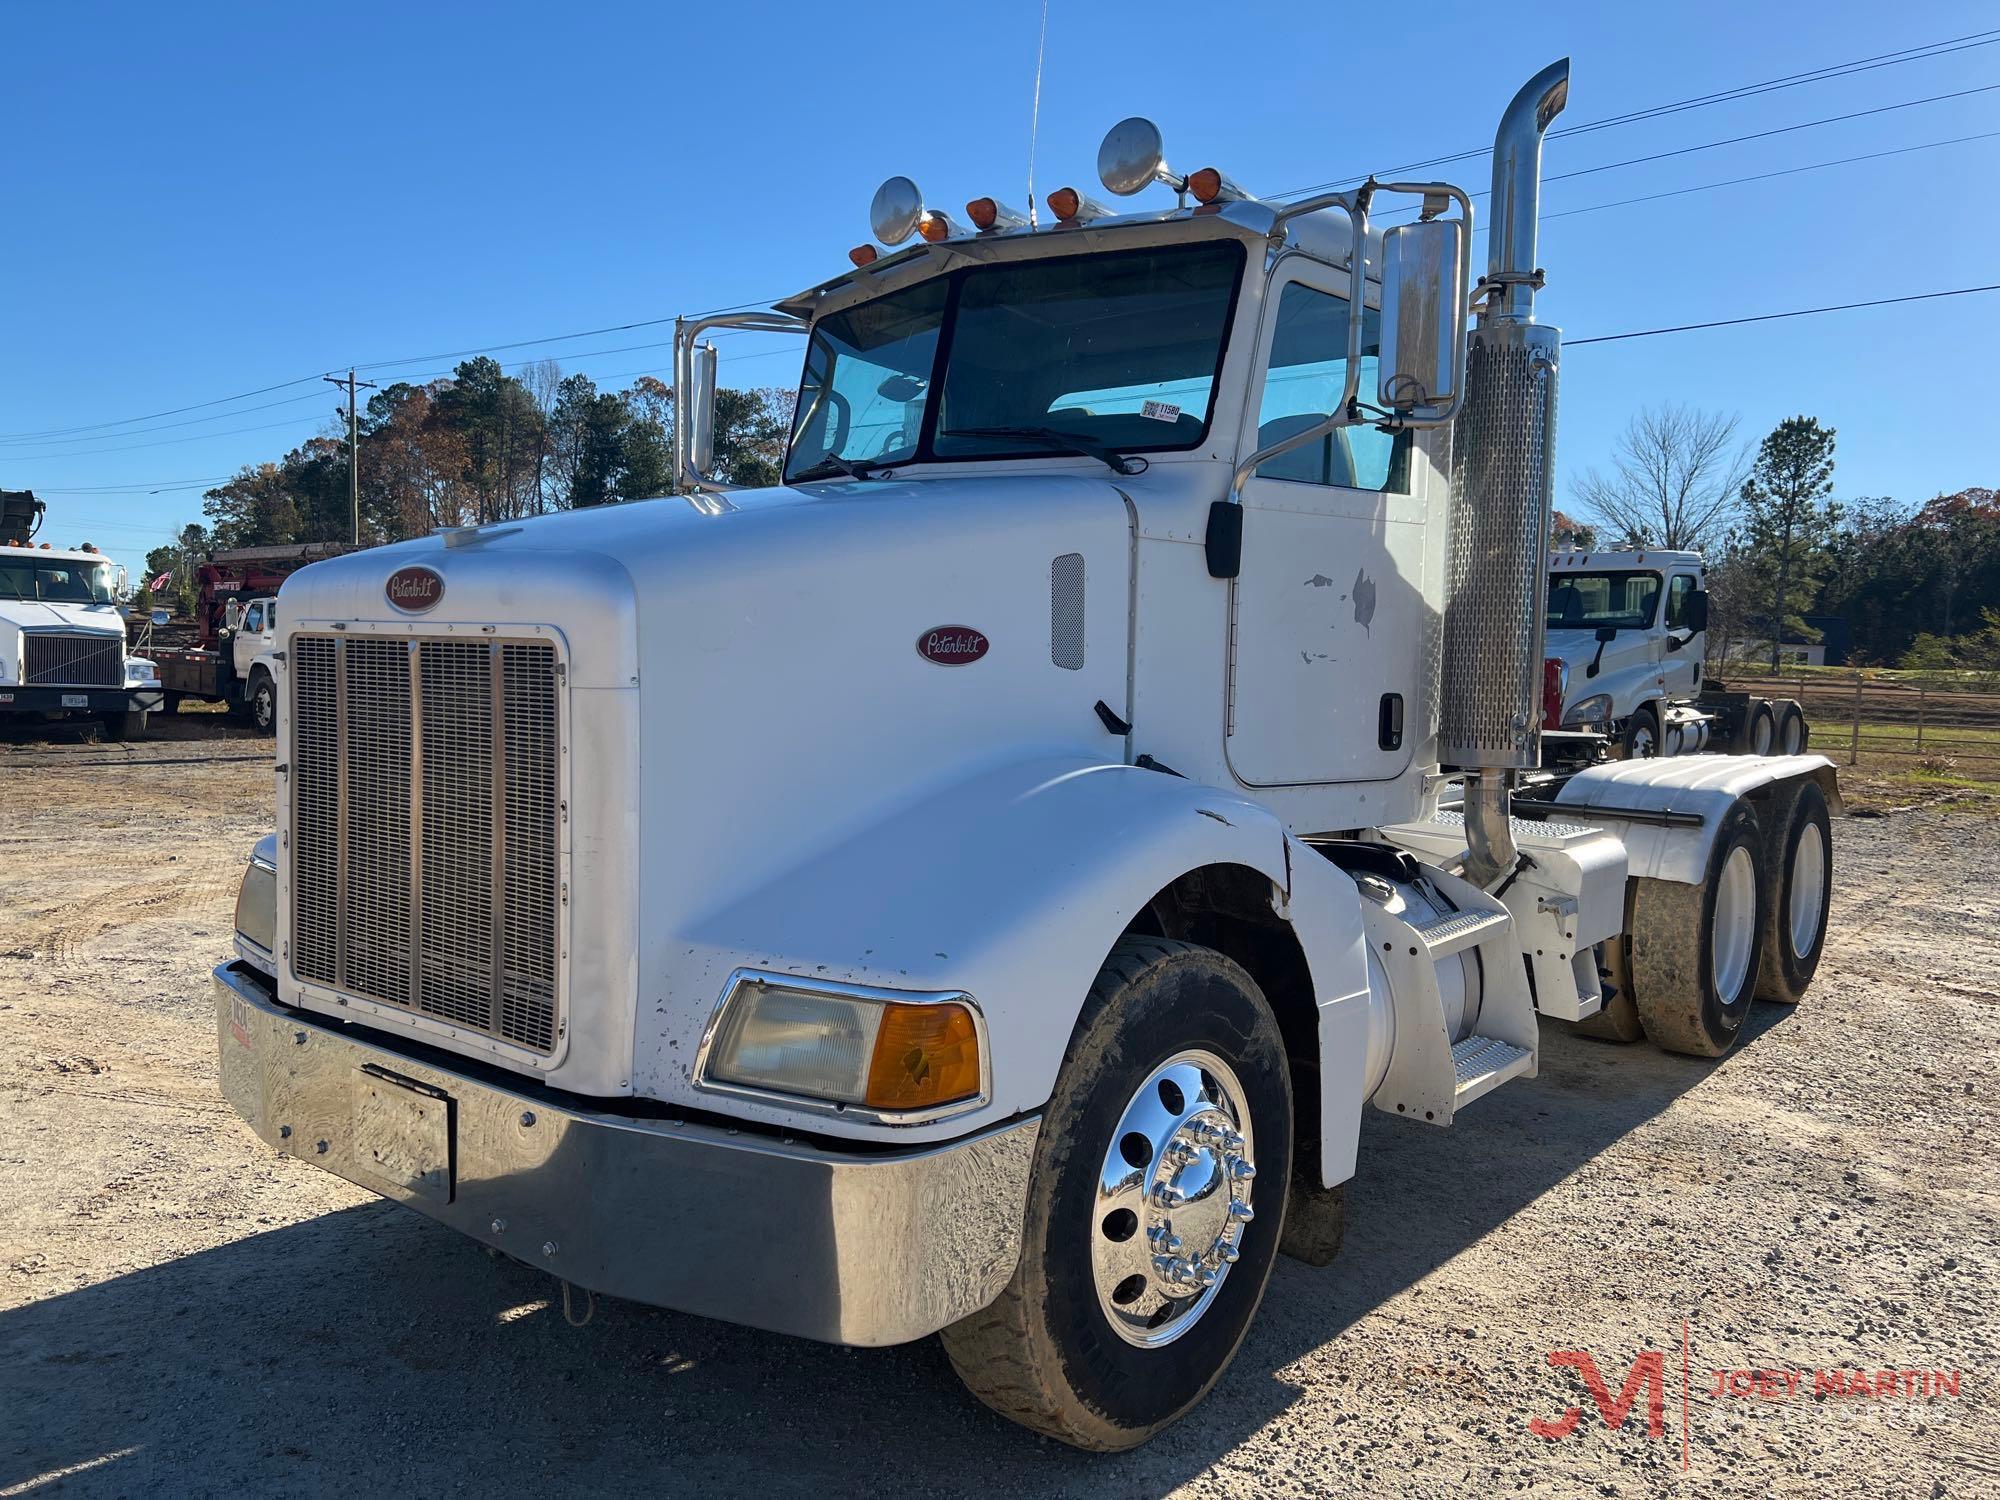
(1055, 437)
(852, 468)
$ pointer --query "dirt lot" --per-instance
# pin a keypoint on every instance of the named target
(182, 1311)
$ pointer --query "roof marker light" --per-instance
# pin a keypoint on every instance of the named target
(862, 255)
(1071, 207)
(1211, 186)
(990, 216)
(935, 227)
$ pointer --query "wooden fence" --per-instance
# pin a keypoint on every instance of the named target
(1868, 716)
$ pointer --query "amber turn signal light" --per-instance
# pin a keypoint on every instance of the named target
(925, 1055)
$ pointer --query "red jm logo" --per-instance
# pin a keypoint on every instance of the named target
(1648, 1373)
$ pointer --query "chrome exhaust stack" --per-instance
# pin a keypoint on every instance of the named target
(1503, 451)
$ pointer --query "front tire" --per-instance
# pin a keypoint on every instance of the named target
(1641, 738)
(264, 703)
(121, 725)
(1695, 948)
(1143, 1256)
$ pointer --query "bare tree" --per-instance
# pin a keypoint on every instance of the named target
(1678, 476)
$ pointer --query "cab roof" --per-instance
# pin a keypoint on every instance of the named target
(1327, 235)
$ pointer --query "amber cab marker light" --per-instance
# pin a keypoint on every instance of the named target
(982, 212)
(1064, 202)
(862, 255)
(925, 1055)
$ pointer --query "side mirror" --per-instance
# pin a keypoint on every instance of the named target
(1695, 617)
(701, 411)
(1423, 314)
(160, 617)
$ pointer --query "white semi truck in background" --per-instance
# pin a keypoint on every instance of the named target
(976, 886)
(1626, 658)
(63, 651)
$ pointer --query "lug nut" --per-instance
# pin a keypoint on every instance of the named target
(1238, 1209)
(1240, 1169)
(1229, 1253)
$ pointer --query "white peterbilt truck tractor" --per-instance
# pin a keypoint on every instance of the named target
(1627, 645)
(984, 878)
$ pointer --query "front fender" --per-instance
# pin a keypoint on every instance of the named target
(1011, 885)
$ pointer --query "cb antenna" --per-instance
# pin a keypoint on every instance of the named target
(1035, 114)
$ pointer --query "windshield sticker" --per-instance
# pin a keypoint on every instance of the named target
(1161, 411)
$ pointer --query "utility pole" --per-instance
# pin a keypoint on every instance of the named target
(353, 449)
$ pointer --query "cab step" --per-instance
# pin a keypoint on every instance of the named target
(1482, 1063)
(1456, 931)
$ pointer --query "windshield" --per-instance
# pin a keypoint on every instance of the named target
(56, 582)
(1590, 601)
(1118, 351)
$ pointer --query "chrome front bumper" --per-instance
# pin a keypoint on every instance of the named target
(837, 1246)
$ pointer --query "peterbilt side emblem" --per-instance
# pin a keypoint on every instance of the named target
(414, 590)
(951, 645)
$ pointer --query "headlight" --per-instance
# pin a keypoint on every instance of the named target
(845, 1045)
(1596, 709)
(140, 672)
(257, 906)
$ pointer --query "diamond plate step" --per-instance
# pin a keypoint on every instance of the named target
(1456, 931)
(1483, 1063)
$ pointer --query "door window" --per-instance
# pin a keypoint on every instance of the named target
(1679, 591)
(1303, 386)
(253, 619)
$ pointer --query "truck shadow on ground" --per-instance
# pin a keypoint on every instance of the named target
(371, 1348)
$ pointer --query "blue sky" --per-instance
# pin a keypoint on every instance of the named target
(206, 199)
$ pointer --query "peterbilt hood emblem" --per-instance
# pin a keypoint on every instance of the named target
(951, 645)
(414, 590)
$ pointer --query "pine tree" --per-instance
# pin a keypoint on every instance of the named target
(1788, 522)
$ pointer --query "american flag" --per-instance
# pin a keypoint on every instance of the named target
(161, 582)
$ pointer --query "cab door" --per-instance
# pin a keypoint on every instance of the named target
(1680, 664)
(1330, 629)
(257, 634)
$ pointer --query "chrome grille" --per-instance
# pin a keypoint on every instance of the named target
(425, 827)
(73, 660)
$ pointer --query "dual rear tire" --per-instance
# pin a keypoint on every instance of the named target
(1693, 957)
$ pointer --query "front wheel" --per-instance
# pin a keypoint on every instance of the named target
(123, 725)
(1155, 1209)
(264, 704)
(1641, 737)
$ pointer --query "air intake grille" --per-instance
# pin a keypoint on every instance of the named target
(73, 660)
(1066, 611)
(425, 827)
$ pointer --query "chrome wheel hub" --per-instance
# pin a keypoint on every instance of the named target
(1173, 1198)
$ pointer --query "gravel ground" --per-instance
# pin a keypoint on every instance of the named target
(183, 1311)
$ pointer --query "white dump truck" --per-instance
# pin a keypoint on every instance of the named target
(976, 886)
(1626, 646)
(63, 651)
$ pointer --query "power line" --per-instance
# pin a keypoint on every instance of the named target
(171, 412)
(1957, 140)
(1769, 85)
(1803, 312)
(241, 411)
(1842, 161)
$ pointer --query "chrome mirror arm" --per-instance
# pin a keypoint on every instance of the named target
(686, 332)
